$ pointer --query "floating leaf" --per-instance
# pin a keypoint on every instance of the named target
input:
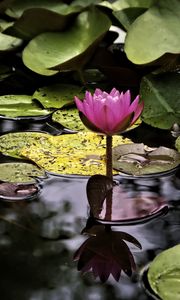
(20, 105)
(161, 96)
(144, 43)
(123, 4)
(38, 20)
(178, 143)
(17, 7)
(164, 274)
(16, 192)
(138, 159)
(69, 118)
(49, 53)
(128, 15)
(57, 95)
(9, 43)
(81, 153)
(19, 172)
(12, 143)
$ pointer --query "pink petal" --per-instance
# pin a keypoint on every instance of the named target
(79, 104)
(98, 92)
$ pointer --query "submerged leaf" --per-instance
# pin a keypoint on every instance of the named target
(161, 95)
(164, 274)
(19, 172)
(20, 106)
(138, 159)
(81, 153)
(57, 95)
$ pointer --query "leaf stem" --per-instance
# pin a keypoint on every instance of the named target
(110, 175)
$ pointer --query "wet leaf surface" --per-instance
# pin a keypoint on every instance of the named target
(58, 95)
(69, 118)
(9, 43)
(20, 105)
(19, 172)
(16, 192)
(138, 159)
(81, 153)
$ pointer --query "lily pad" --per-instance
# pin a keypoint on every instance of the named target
(178, 143)
(12, 143)
(138, 159)
(16, 191)
(144, 43)
(18, 172)
(161, 96)
(57, 95)
(9, 43)
(17, 7)
(51, 52)
(164, 274)
(20, 106)
(38, 20)
(123, 4)
(128, 15)
(69, 118)
(81, 153)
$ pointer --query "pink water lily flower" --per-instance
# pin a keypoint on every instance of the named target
(109, 113)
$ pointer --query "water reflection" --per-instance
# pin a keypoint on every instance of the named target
(132, 200)
(39, 238)
(105, 252)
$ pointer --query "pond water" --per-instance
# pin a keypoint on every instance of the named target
(39, 236)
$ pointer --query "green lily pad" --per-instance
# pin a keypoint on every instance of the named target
(17, 7)
(69, 118)
(51, 52)
(12, 143)
(138, 159)
(19, 172)
(128, 15)
(178, 143)
(144, 43)
(20, 106)
(164, 274)
(81, 153)
(9, 43)
(123, 4)
(57, 95)
(161, 96)
(4, 25)
(38, 20)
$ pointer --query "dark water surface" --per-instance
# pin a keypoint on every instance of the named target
(39, 237)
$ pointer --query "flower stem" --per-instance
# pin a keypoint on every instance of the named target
(109, 156)
(110, 175)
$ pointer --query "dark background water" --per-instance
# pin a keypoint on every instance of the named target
(40, 236)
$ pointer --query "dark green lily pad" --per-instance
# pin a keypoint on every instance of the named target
(20, 106)
(51, 52)
(144, 43)
(57, 95)
(38, 20)
(161, 95)
(9, 43)
(138, 159)
(128, 15)
(19, 172)
(164, 274)
(69, 118)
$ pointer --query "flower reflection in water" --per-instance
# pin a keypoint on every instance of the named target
(105, 252)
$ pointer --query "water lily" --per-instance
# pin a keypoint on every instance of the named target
(109, 113)
(105, 253)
